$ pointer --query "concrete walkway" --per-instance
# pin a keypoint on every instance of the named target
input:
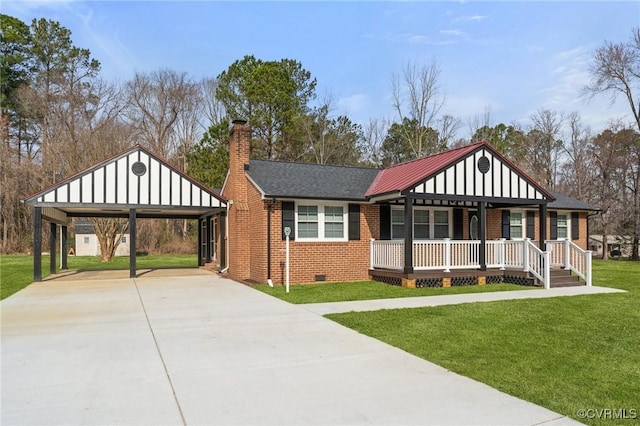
(451, 299)
(202, 350)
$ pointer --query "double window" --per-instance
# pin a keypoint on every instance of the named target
(321, 222)
(427, 224)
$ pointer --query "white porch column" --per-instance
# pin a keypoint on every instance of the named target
(447, 255)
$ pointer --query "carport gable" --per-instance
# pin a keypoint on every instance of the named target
(134, 179)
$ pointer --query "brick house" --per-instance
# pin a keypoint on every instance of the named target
(475, 216)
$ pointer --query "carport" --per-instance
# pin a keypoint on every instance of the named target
(134, 184)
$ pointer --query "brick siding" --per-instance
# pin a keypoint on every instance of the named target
(336, 261)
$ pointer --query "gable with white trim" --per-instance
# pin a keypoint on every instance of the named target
(481, 174)
(135, 179)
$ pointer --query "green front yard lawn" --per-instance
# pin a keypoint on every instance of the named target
(565, 353)
(368, 290)
(16, 271)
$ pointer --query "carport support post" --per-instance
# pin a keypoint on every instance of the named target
(37, 244)
(207, 238)
(52, 247)
(63, 250)
(132, 243)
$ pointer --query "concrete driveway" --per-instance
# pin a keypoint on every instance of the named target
(203, 350)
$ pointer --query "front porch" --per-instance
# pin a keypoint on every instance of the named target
(446, 262)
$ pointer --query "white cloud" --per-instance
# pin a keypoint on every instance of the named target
(107, 44)
(452, 32)
(418, 39)
(471, 18)
(20, 8)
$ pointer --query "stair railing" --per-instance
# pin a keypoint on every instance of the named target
(537, 262)
(578, 260)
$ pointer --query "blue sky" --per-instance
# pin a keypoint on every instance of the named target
(513, 58)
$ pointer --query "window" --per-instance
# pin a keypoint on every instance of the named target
(307, 222)
(321, 222)
(123, 240)
(563, 228)
(86, 240)
(515, 225)
(333, 222)
(397, 224)
(473, 227)
(421, 224)
(441, 224)
(427, 224)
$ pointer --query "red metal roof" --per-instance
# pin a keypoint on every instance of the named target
(403, 176)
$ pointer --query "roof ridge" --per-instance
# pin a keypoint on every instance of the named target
(313, 164)
(436, 154)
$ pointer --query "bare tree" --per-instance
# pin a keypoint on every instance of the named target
(480, 122)
(545, 146)
(156, 103)
(418, 100)
(374, 133)
(607, 155)
(577, 174)
(213, 109)
(616, 70)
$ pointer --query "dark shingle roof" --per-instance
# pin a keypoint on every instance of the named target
(567, 203)
(314, 181)
(84, 228)
(326, 182)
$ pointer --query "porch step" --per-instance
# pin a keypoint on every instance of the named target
(564, 278)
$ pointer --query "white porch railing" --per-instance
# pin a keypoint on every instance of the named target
(449, 254)
(537, 263)
(567, 254)
(387, 254)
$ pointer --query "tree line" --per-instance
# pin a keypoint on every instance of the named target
(59, 116)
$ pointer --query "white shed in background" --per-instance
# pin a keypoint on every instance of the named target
(87, 243)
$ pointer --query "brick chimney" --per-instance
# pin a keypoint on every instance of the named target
(236, 191)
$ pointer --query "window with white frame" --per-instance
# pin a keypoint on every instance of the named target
(563, 226)
(397, 224)
(427, 223)
(307, 221)
(333, 222)
(441, 224)
(320, 222)
(421, 230)
(86, 240)
(515, 225)
(123, 240)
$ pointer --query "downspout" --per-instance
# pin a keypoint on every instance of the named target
(269, 207)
